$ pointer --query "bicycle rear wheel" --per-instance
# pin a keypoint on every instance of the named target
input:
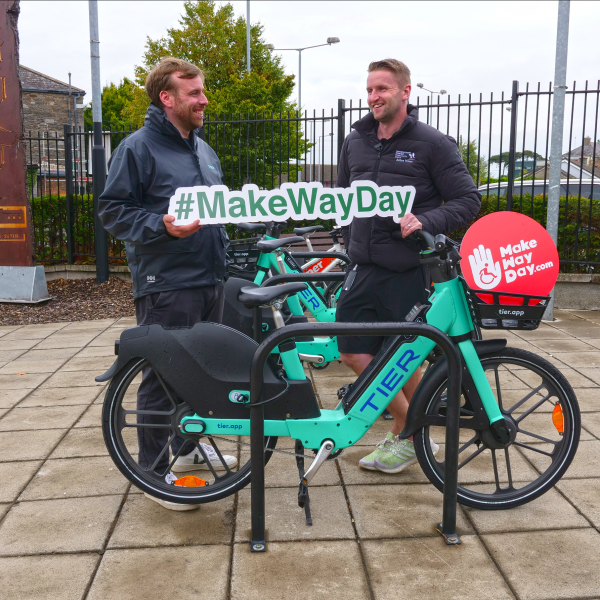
(527, 389)
(121, 421)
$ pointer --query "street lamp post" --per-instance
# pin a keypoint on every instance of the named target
(431, 92)
(330, 40)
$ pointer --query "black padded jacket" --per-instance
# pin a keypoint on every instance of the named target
(418, 155)
(145, 170)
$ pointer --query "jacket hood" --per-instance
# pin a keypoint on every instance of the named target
(368, 124)
(156, 118)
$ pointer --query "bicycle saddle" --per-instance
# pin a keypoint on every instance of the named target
(251, 227)
(258, 296)
(305, 230)
(270, 245)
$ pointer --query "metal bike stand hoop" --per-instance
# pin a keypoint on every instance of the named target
(257, 424)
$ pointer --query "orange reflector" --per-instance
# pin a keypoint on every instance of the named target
(190, 481)
(557, 418)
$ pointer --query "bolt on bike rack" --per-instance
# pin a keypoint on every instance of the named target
(257, 424)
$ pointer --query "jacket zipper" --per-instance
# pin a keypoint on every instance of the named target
(380, 148)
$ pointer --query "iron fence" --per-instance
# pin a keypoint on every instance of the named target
(503, 139)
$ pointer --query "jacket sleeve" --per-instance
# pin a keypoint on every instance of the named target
(343, 181)
(461, 198)
(120, 206)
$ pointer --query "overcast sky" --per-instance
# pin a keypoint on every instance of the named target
(463, 47)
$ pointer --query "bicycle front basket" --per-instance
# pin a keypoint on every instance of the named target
(243, 252)
(505, 311)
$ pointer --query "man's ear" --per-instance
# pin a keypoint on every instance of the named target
(406, 92)
(166, 98)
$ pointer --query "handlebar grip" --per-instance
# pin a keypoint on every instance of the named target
(418, 235)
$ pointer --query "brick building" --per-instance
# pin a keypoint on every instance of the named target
(48, 106)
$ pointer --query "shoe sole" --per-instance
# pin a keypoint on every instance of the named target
(186, 468)
(173, 505)
(394, 470)
(367, 468)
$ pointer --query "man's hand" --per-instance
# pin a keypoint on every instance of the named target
(409, 224)
(180, 231)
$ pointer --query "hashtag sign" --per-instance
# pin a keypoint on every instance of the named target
(184, 207)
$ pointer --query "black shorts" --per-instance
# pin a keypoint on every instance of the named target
(378, 295)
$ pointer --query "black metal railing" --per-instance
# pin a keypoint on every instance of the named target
(504, 140)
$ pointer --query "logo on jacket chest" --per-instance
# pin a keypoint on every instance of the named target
(403, 156)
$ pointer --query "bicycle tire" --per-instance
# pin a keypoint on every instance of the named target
(511, 365)
(151, 483)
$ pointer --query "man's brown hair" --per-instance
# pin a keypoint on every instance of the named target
(399, 69)
(159, 79)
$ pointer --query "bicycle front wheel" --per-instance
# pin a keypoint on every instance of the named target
(537, 402)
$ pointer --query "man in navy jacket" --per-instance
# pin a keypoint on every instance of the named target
(177, 271)
(391, 147)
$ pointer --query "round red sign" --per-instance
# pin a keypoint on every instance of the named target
(509, 252)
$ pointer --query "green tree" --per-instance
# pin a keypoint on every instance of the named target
(502, 159)
(476, 163)
(211, 37)
(114, 99)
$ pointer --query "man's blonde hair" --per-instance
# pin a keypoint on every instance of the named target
(399, 69)
(160, 78)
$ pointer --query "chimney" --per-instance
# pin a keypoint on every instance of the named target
(586, 141)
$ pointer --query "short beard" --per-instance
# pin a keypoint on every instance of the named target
(183, 114)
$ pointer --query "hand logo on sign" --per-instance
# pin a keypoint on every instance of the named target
(486, 272)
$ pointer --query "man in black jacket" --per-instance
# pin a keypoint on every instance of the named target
(391, 147)
(177, 271)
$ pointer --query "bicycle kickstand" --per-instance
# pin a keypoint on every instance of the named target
(303, 499)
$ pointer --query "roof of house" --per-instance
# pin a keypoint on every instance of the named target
(588, 150)
(34, 80)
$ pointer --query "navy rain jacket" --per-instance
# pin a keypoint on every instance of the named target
(418, 155)
(145, 170)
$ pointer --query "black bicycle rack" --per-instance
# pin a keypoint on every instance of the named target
(257, 424)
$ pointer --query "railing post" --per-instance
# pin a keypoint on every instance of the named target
(512, 148)
(69, 190)
(202, 132)
(341, 132)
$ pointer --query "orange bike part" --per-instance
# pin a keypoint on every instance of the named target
(190, 481)
(557, 418)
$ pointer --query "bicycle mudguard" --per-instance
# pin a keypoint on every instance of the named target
(417, 418)
(202, 365)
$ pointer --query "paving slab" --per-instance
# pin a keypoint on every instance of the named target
(19, 344)
(30, 333)
(70, 525)
(556, 347)
(399, 511)
(7, 355)
(41, 417)
(585, 495)
(75, 478)
(10, 398)
(47, 577)
(427, 568)
(87, 325)
(26, 365)
(588, 398)
(90, 351)
(85, 441)
(22, 382)
(549, 565)
(71, 379)
(92, 417)
(286, 521)
(108, 337)
(591, 425)
(4, 508)
(543, 332)
(61, 396)
(144, 523)
(586, 462)
(335, 571)
(549, 511)
(190, 573)
(14, 477)
(28, 445)
(65, 341)
(98, 364)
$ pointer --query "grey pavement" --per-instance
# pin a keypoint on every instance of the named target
(72, 527)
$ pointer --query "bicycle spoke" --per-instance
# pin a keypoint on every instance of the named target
(523, 400)
(162, 452)
(468, 460)
(539, 437)
(537, 405)
(175, 457)
(467, 444)
(508, 468)
(162, 383)
(538, 450)
(495, 464)
(216, 449)
(204, 455)
(498, 389)
(149, 425)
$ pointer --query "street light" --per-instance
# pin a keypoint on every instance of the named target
(431, 92)
(330, 40)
